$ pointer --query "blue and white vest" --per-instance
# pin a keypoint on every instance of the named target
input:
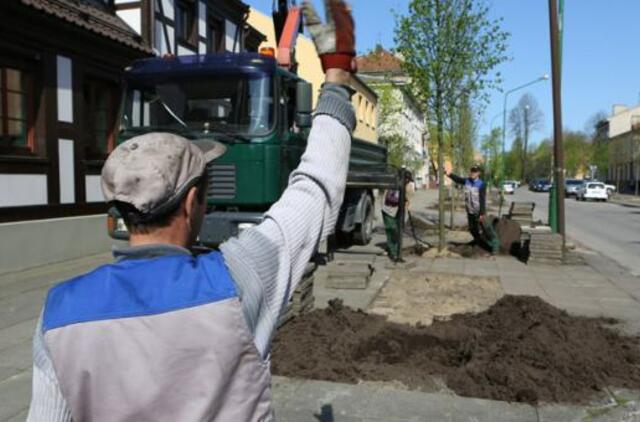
(160, 339)
(472, 195)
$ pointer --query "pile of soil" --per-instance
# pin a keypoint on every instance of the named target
(521, 349)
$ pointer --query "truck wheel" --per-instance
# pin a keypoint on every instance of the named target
(364, 231)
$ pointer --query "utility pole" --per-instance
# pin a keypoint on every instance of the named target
(558, 146)
(525, 147)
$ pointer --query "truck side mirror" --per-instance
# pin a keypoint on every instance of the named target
(304, 104)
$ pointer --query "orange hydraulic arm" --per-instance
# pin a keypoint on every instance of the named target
(287, 43)
(287, 21)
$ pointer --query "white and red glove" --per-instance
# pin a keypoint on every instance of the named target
(336, 40)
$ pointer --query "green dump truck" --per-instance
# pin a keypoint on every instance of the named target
(263, 113)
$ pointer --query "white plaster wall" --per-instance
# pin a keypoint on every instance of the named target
(202, 19)
(133, 18)
(202, 48)
(230, 32)
(65, 91)
(160, 40)
(168, 8)
(23, 189)
(93, 189)
(183, 51)
(621, 123)
(66, 172)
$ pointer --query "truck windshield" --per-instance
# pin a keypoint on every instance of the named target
(239, 104)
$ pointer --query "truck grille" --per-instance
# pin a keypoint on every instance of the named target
(222, 181)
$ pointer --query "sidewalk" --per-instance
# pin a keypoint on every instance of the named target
(626, 200)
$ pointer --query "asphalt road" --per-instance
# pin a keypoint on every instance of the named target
(611, 229)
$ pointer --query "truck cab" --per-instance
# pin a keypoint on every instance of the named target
(262, 112)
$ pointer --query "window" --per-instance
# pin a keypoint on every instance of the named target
(99, 118)
(186, 21)
(16, 127)
(216, 36)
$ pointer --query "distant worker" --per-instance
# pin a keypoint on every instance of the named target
(390, 210)
(475, 199)
(164, 335)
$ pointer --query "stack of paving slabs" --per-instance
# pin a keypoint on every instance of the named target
(522, 213)
(545, 247)
(350, 275)
(302, 300)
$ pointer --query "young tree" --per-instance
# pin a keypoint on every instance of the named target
(596, 130)
(524, 119)
(451, 49)
(491, 150)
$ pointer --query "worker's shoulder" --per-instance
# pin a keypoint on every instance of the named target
(138, 287)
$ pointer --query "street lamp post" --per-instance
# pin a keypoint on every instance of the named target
(542, 78)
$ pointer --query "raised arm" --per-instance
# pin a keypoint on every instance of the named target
(268, 261)
(456, 179)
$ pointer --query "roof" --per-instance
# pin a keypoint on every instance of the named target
(91, 17)
(153, 69)
(379, 61)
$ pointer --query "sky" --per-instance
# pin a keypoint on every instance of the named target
(601, 55)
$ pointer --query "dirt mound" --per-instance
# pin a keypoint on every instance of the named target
(521, 349)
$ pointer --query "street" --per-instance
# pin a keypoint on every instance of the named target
(608, 228)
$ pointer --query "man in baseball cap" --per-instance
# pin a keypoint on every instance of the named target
(475, 198)
(164, 335)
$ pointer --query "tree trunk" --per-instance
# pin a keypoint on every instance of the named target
(441, 190)
(525, 147)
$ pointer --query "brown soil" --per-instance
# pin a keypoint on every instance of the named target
(521, 349)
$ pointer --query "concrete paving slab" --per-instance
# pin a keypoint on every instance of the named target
(20, 417)
(560, 413)
(17, 333)
(473, 410)
(15, 359)
(448, 266)
(410, 406)
(14, 395)
(343, 399)
(21, 308)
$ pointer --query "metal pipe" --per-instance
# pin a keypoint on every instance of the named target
(558, 146)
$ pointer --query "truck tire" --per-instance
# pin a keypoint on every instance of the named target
(364, 231)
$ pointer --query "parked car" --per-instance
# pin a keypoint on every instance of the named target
(508, 188)
(611, 189)
(542, 185)
(532, 184)
(571, 187)
(592, 190)
(515, 183)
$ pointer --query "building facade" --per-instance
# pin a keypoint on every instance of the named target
(186, 27)
(624, 148)
(365, 100)
(61, 64)
(383, 72)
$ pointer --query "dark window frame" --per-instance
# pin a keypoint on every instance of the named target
(216, 35)
(89, 129)
(189, 34)
(30, 119)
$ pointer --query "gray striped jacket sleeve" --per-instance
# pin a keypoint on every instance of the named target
(268, 261)
(47, 402)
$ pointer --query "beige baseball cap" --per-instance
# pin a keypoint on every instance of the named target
(153, 172)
